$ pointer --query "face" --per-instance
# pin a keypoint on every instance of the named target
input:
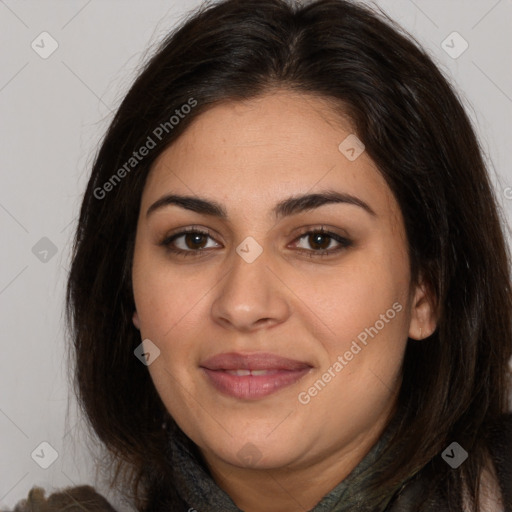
(318, 302)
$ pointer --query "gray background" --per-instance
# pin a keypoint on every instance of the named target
(53, 113)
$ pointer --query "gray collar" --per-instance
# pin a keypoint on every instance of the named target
(197, 488)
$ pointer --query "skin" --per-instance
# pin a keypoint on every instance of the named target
(248, 156)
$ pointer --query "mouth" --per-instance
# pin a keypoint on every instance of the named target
(252, 376)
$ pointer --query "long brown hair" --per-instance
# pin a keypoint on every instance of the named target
(455, 383)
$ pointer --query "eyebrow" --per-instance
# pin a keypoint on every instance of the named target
(290, 206)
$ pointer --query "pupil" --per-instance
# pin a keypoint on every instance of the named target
(317, 240)
(195, 240)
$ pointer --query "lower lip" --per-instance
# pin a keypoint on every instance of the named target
(253, 387)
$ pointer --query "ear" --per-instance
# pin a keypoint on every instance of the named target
(135, 320)
(423, 313)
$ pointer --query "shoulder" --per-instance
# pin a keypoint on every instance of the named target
(496, 477)
(495, 481)
(83, 498)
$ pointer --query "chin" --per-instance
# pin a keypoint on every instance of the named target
(257, 452)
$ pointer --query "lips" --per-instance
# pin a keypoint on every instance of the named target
(258, 361)
(252, 376)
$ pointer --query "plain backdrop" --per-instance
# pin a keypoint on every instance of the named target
(53, 113)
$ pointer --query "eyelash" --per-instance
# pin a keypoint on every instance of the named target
(344, 242)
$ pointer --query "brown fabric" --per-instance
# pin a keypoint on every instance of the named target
(82, 498)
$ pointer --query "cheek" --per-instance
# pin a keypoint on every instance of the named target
(363, 351)
(355, 296)
(365, 306)
(165, 296)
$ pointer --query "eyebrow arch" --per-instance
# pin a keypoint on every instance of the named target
(290, 206)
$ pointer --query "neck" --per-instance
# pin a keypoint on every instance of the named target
(300, 485)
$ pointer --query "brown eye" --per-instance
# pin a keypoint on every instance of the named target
(194, 240)
(187, 242)
(320, 241)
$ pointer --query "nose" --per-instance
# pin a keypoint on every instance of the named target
(251, 295)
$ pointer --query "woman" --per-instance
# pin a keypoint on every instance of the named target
(290, 287)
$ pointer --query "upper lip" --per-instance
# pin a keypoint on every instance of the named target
(256, 361)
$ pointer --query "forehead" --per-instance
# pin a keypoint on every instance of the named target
(251, 154)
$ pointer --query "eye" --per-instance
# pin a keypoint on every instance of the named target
(320, 240)
(192, 241)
